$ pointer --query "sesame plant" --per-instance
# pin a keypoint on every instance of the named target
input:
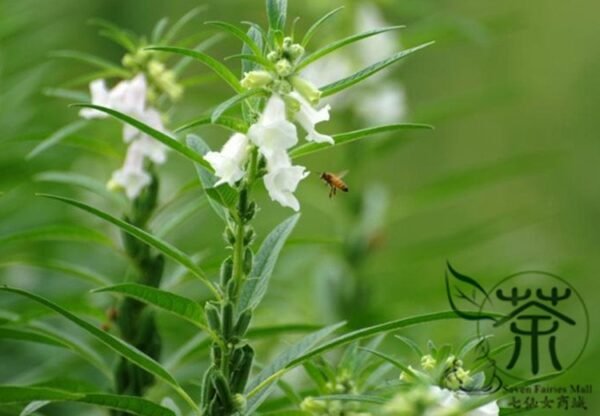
(272, 115)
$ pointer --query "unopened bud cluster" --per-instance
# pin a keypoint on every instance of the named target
(161, 80)
(342, 384)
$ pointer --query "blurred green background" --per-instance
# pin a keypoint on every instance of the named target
(506, 182)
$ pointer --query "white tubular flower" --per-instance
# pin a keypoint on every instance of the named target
(153, 149)
(229, 162)
(447, 399)
(129, 97)
(273, 133)
(308, 117)
(100, 96)
(282, 180)
(131, 177)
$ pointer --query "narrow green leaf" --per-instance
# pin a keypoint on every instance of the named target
(238, 33)
(217, 197)
(277, 14)
(129, 404)
(116, 344)
(351, 337)
(116, 34)
(91, 60)
(412, 345)
(332, 47)
(349, 137)
(313, 29)
(57, 233)
(29, 336)
(245, 57)
(232, 123)
(181, 23)
(60, 266)
(254, 33)
(18, 394)
(162, 246)
(57, 137)
(86, 182)
(394, 362)
(220, 69)
(185, 61)
(158, 135)
(347, 82)
(177, 305)
(260, 386)
(363, 398)
(159, 29)
(255, 287)
(67, 94)
(226, 105)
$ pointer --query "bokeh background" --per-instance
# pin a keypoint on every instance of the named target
(506, 182)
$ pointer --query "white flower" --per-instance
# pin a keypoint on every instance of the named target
(308, 117)
(282, 180)
(229, 162)
(448, 400)
(383, 103)
(273, 133)
(132, 177)
(100, 96)
(153, 149)
(127, 97)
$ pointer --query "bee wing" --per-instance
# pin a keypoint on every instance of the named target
(342, 174)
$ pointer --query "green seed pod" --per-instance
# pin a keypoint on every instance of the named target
(223, 391)
(243, 202)
(227, 320)
(207, 387)
(231, 289)
(216, 354)
(226, 271)
(249, 236)
(243, 323)
(241, 374)
(212, 316)
(229, 236)
(248, 260)
(250, 212)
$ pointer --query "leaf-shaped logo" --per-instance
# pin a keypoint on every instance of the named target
(466, 295)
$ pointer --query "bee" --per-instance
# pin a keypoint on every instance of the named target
(334, 182)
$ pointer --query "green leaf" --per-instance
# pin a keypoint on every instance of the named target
(91, 60)
(363, 398)
(220, 69)
(217, 197)
(232, 123)
(158, 135)
(349, 137)
(344, 83)
(276, 14)
(313, 29)
(56, 137)
(238, 33)
(177, 305)
(86, 182)
(412, 345)
(394, 362)
(226, 105)
(18, 394)
(181, 23)
(159, 29)
(162, 246)
(116, 344)
(67, 94)
(29, 336)
(130, 404)
(255, 287)
(351, 337)
(260, 386)
(116, 34)
(60, 266)
(57, 233)
(254, 33)
(332, 47)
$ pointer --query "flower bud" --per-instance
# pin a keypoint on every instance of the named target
(273, 56)
(256, 79)
(313, 405)
(307, 89)
(239, 402)
(283, 67)
(296, 51)
(428, 362)
(287, 42)
(282, 87)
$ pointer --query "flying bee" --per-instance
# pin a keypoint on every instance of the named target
(334, 182)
